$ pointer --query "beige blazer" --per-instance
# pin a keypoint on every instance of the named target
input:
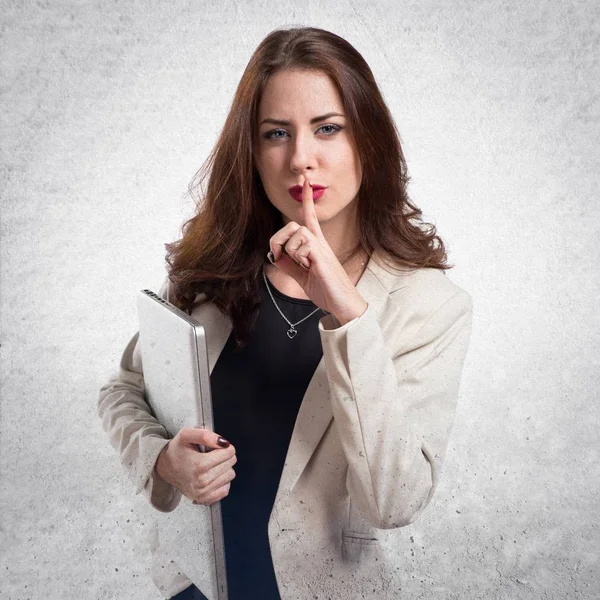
(367, 448)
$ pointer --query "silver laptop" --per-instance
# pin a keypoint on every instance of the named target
(177, 381)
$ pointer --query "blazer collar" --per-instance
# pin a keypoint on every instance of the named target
(315, 412)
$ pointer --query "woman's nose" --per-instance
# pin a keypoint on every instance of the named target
(303, 153)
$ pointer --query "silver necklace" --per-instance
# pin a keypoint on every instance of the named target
(291, 332)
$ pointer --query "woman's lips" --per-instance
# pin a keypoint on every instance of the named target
(297, 194)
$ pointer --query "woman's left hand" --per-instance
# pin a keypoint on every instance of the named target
(302, 252)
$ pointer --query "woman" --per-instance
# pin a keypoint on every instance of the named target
(335, 360)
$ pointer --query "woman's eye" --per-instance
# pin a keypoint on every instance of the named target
(271, 134)
(274, 133)
(335, 128)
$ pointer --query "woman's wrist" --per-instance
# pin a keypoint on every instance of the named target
(160, 464)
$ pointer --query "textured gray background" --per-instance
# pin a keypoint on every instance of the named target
(109, 108)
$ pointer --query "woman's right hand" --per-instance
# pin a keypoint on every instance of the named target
(202, 477)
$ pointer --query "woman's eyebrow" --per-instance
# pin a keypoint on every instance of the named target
(314, 120)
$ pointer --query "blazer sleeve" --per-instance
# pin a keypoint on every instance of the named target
(394, 402)
(133, 430)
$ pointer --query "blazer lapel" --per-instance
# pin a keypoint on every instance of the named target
(315, 412)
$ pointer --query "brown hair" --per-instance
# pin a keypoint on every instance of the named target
(223, 248)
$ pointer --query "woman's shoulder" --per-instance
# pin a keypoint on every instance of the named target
(424, 289)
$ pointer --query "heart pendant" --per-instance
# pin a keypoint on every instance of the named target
(291, 333)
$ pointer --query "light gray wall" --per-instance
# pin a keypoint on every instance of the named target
(107, 111)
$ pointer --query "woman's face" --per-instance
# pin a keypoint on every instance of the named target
(295, 145)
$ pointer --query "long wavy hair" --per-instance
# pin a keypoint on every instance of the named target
(223, 247)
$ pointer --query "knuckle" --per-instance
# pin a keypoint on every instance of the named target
(204, 480)
(199, 471)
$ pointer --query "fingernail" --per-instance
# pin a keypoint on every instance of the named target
(271, 257)
(222, 442)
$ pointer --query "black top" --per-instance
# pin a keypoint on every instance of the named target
(256, 397)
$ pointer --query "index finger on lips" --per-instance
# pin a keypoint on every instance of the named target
(308, 208)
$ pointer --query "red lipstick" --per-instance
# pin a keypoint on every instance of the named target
(296, 191)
